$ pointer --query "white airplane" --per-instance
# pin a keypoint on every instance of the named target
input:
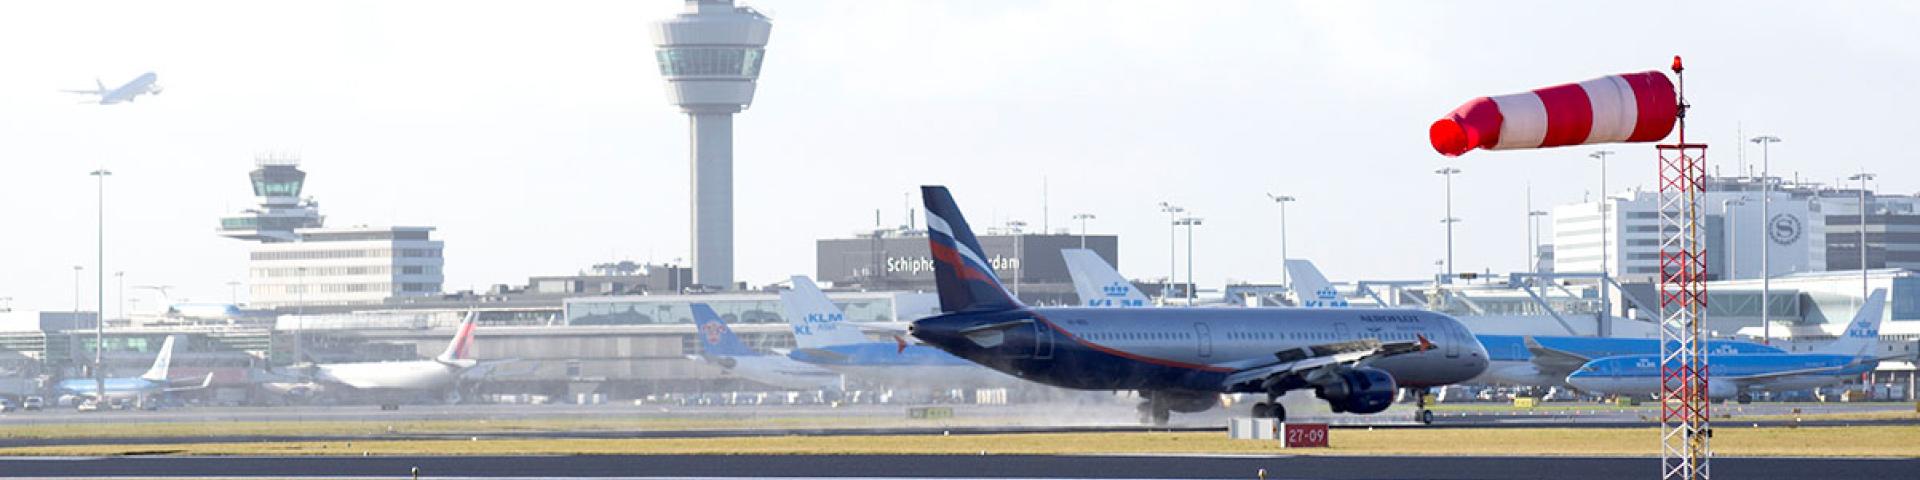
(141, 85)
(441, 374)
(1098, 284)
(720, 347)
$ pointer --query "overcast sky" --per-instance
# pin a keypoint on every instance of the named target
(536, 135)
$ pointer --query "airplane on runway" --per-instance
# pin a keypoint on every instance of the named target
(720, 347)
(1736, 376)
(826, 339)
(1183, 359)
(1535, 361)
(441, 374)
(154, 381)
(1098, 283)
(141, 85)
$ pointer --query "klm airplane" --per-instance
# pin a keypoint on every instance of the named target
(720, 347)
(154, 381)
(1736, 376)
(1183, 359)
(1098, 283)
(824, 338)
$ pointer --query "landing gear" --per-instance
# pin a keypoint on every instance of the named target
(1423, 415)
(1272, 410)
(1152, 413)
(1744, 398)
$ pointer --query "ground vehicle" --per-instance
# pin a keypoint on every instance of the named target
(5, 406)
(33, 404)
(90, 405)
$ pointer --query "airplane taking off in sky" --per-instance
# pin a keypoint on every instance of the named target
(152, 382)
(1183, 359)
(826, 339)
(442, 374)
(141, 85)
(1737, 376)
(1098, 283)
(720, 347)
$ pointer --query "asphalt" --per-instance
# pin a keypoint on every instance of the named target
(943, 466)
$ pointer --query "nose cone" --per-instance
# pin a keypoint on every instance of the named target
(1583, 382)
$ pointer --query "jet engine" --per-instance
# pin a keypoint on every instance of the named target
(1354, 390)
(726, 362)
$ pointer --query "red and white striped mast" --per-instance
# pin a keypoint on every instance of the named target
(1686, 437)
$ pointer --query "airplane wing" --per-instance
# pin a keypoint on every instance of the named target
(1551, 361)
(824, 354)
(1764, 377)
(86, 92)
(1301, 360)
(207, 382)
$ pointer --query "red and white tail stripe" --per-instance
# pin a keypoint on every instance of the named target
(1633, 107)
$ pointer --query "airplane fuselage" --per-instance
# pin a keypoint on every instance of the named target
(1732, 374)
(1189, 349)
(1512, 364)
(408, 375)
(776, 370)
(116, 387)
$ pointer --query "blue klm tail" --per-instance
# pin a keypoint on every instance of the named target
(715, 337)
(966, 281)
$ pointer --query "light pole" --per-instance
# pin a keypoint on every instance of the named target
(1189, 222)
(1172, 247)
(1534, 259)
(233, 292)
(76, 291)
(1766, 249)
(1083, 217)
(1449, 172)
(1014, 227)
(1733, 235)
(1863, 177)
(1283, 200)
(100, 279)
(1606, 263)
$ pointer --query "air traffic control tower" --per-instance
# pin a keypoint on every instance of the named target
(277, 181)
(710, 56)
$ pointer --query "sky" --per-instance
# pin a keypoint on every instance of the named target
(537, 137)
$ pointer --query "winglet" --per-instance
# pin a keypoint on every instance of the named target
(900, 345)
(1425, 344)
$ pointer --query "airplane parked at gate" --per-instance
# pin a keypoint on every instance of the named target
(1098, 283)
(141, 85)
(720, 347)
(441, 375)
(826, 339)
(1183, 359)
(1737, 376)
(154, 381)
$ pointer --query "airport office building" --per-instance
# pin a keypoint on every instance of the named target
(1029, 264)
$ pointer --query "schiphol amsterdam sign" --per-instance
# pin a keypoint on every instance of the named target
(924, 265)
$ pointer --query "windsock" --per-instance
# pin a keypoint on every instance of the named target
(1633, 107)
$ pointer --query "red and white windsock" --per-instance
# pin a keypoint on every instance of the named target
(1633, 107)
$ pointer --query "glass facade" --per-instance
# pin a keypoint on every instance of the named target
(710, 61)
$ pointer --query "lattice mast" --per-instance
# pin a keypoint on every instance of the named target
(1685, 435)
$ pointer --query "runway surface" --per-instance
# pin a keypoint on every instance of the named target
(942, 466)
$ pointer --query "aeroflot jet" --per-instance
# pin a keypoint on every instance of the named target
(141, 85)
(1182, 359)
(722, 348)
(1539, 361)
(826, 339)
(1736, 376)
(154, 381)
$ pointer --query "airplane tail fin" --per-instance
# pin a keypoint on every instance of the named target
(1098, 283)
(461, 347)
(715, 337)
(1863, 333)
(964, 278)
(1310, 287)
(817, 323)
(158, 372)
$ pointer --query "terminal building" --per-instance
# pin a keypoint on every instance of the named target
(898, 259)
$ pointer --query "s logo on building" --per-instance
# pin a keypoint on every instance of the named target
(1784, 229)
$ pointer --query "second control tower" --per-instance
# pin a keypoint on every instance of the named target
(710, 56)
